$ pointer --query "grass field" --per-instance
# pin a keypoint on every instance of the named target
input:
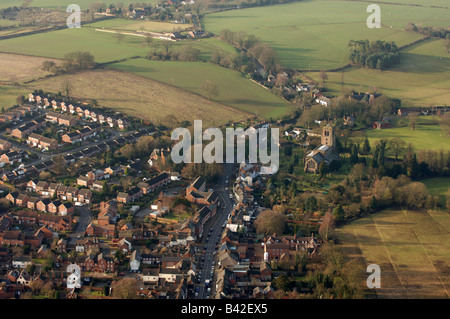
(141, 97)
(438, 185)
(315, 34)
(234, 89)
(422, 77)
(412, 249)
(427, 135)
(102, 45)
(18, 68)
(127, 24)
(9, 94)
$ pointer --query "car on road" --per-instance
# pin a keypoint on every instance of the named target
(79, 236)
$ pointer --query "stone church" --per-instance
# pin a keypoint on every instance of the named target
(325, 152)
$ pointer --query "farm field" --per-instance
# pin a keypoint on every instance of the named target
(102, 45)
(427, 135)
(422, 78)
(18, 68)
(314, 34)
(234, 89)
(141, 97)
(412, 249)
(56, 44)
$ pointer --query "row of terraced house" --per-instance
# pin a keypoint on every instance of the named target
(84, 112)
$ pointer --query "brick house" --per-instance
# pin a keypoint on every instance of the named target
(84, 181)
(42, 205)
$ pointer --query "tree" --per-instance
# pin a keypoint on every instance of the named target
(354, 154)
(210, 88)
(282, 282)
(413, 120)
(323, 169)
(311, 204)
(269, 222)
(48, 65)
(119, 37)
(323, 76)
(366, 147)
(148, 40)
(327, 227)
(78, 61)
(397, 146)
(339, 213)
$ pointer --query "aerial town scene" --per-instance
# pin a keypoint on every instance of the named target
(135, 141)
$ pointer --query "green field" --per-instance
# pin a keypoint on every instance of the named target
(422, 77)
(315, 34)
(412, 249)
(234, 89)
(438, 185)
(102, 45)
(427, 135)
(131, 25)
(57, 43)
(8, 95)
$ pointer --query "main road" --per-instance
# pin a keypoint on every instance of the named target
(216, 224)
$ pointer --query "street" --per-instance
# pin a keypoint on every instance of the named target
(218, 220)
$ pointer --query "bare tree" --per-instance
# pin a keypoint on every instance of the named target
(327, 227)
(323, 76)
(119, 37)
(396, 146)
(67, 87)
(211, 88)
(413, 120)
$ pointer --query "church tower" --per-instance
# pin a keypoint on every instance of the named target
(328, 137)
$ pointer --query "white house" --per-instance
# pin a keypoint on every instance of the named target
(21, 262)
(135, 261)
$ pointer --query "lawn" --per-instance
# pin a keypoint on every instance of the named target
(314, 34)
(141, 97)
(234, 89)
(427, 135)
(412, 249)
(422, 77)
